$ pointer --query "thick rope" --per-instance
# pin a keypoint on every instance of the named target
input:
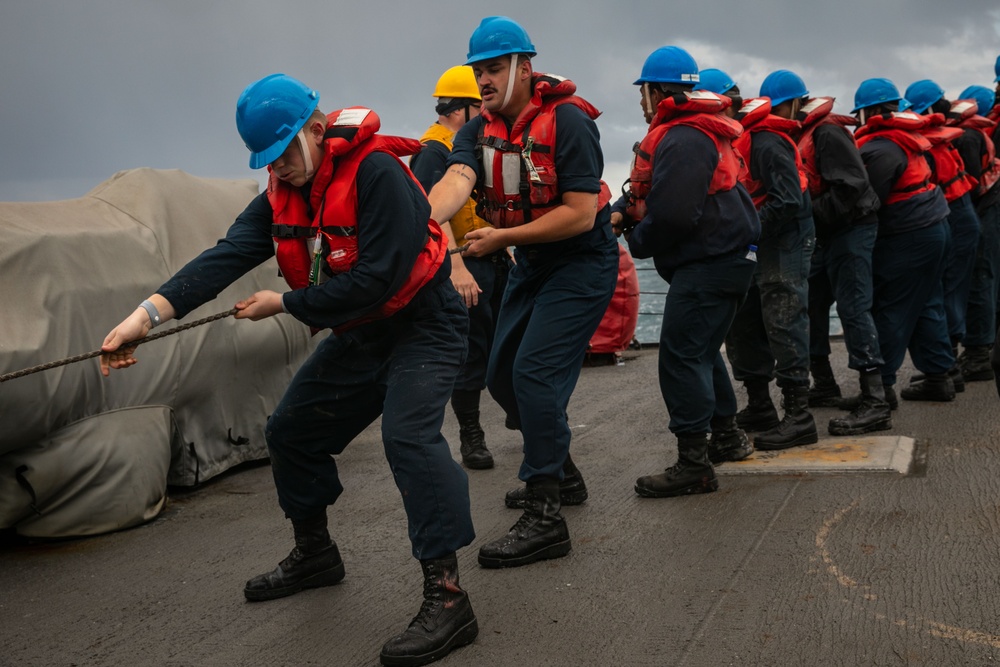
(134, 344)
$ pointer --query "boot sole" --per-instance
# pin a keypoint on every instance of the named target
(567, 500)
(478, 465)
(557, 550)
(884, 425)
(798, 442)
(462, 637)
(318, 580)
(686, 491)
(758, 426)
(979, 376)
(731, 456)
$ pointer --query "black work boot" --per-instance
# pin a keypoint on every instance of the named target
(445, 620)
(693, 472)
(539, 534)
(871, 414)
(759, 414)
(975, 363)
(315, 561)
(824, 393)
(465, 403)
(728, 441)
(572, 490)
(955, 373)
(935, 387)
(851, 403)
(797, 427)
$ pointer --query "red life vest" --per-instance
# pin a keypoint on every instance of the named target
(520, 183)
(350, 137)
(755, 116)
(963, 114)
(949, 169)
(814, 114)
(698, 109)
(903, 129)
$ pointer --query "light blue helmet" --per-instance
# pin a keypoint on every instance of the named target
(872, 92)
(983, 96)
(923, 94)
(783, 85)
(270, 112)
(498, 36)
(668, 64)
(715, 81)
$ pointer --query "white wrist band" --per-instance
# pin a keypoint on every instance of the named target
(154, 314)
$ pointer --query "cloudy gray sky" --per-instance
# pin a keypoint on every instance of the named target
(91, 87)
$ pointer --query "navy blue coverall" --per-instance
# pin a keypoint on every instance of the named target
(402, 367)
(556, 295)
(770, 335)
(841, 272)
(489, 272)
(699, 243)
(908, 263)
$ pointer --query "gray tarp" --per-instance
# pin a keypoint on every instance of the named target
(81, 454)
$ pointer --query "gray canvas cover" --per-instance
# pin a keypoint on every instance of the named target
(81, 454)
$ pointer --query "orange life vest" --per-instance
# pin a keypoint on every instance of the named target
(963, 114)
(520, 182)
(903, 129)
(949, 169)
(755, 116)
(815, 113)
(333, 227)
(698, 109)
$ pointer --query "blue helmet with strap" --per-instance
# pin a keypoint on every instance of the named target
(983, 96)
(923, 94)
(877, 91)
(783, 85)
(498, 36)
(270, 112)
(668, 64)
(715, 81)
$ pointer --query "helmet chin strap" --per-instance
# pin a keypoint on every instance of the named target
(647, 100)
(510, 82)
(306, 154)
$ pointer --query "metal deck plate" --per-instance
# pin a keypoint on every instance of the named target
(830, 455)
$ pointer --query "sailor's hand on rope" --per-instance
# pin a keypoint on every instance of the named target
(261, 305)
(483, 241)
(115, 351)
(621, 224)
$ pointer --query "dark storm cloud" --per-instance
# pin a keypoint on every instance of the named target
(91, 88)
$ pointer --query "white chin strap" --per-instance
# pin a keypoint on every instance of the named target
(510, 81)
(306, 154)
(647, 100)
(863, 116)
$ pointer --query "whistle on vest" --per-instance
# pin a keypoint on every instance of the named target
(529, 165)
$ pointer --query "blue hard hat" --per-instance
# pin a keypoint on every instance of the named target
(923, 94)
(983, 96)
(269, 113)
(878, 91)
(715, 81)
(782, 85)
(498, 36)
(668, 64)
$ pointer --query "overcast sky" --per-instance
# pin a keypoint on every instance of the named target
(91, 87)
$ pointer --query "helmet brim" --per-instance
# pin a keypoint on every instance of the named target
(499, 53)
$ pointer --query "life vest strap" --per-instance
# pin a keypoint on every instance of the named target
(303, 232)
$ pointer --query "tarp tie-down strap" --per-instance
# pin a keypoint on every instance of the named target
(134, 344)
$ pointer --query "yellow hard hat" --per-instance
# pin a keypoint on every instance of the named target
(459, 81)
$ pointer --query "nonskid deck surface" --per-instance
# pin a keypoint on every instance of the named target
(872, 551)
